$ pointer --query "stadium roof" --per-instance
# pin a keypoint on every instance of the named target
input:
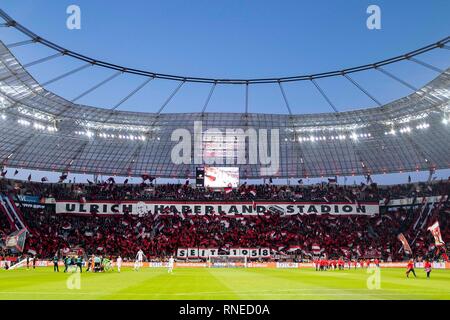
(41, 130)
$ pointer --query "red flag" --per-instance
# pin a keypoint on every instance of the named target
(405, 243)
(436, 232)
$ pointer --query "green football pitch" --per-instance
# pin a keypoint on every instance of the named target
(193, 283)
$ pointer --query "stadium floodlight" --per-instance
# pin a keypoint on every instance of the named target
(32, 113)
(38, 126)
(3, 117)
(444, 121)
(23, 122)
(422, 126)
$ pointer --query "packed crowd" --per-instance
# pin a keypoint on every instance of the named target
(301, 235)
(326, 191)
(161, 235)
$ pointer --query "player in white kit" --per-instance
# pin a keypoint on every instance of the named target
(139, 259)
(170, 264)
(119, 263)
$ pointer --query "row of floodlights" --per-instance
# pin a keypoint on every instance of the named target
(36, 125)
(352, 136)
(408, 129)
(91, 134)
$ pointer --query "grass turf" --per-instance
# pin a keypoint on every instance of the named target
(197, 284)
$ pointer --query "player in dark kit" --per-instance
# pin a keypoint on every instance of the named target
(55, 264)
(67, 262)
(410, 268)
(79, 263)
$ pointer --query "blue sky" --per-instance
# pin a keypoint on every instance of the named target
(233, 39)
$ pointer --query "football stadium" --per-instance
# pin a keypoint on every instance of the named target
(180, 200)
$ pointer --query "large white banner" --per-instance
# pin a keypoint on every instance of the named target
(409, 201)
(183, 253)
(210, 208)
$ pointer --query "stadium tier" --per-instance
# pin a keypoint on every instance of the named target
(401, 209)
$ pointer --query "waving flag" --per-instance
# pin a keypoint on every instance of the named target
(67, 226)
(436, 232)
(405, 243)
(332, 181)
(16, 240)
(345, 251)
(62, 177)
(111, 180)
(315, 248)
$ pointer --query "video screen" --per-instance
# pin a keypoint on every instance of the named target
(221, 177)
(200, 177)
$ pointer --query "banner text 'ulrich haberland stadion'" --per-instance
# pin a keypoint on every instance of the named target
(210, 208)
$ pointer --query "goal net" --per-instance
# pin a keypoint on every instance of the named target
(227, 262)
